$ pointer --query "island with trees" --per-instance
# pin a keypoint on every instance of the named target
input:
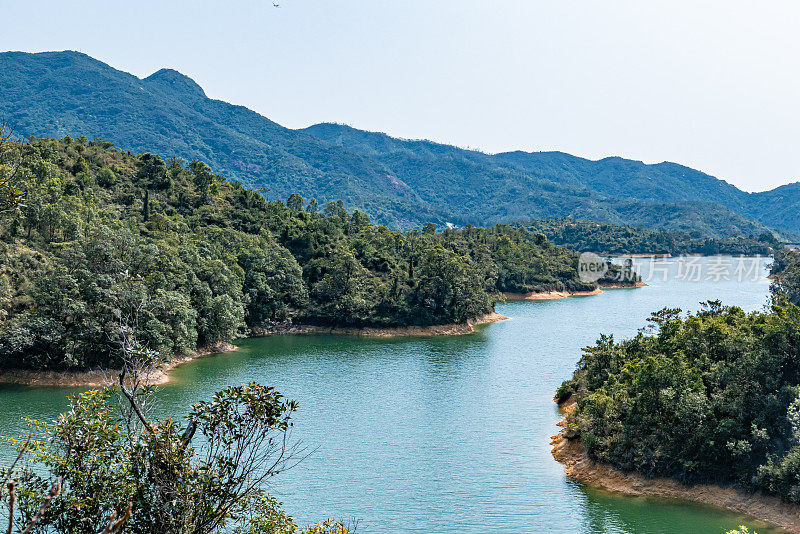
(711, 398)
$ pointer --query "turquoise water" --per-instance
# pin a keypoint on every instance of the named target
(447, 434)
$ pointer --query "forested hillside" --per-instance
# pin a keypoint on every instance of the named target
(68, 93)
(785, 274)
(612, 239)
(399, 183)
(105, 240)
(554, 184)
(712, 397)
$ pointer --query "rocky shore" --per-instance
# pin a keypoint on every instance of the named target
(376, 331)
(578, 466)
(103, 377)
(554, 295)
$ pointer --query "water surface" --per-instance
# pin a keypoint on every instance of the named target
(447, 434)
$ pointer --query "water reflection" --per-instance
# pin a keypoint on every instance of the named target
(607, 513)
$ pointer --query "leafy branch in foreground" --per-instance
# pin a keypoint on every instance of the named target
(97, 468)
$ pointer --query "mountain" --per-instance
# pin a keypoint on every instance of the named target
(68, 93)
(399, 182)
(659, 196)
(514, 186)
(778, 207)
(624, 178)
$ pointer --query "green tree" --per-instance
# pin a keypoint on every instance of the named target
(295, 202)
(785, 272)
(204, 179)
(214, 260)
(712, 397)
(153, 172)
(10, 195)
(94, 471)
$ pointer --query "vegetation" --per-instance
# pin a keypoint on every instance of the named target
(10, 196)
(190, 259)
(785, 272)
(398, 182)
(614, 239)
(712, 397)
(106, 466)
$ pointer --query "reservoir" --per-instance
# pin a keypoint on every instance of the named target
(447, 434)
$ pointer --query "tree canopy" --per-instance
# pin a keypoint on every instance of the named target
(105, 237)
(709, 397)
(618, 239)
(785, 274)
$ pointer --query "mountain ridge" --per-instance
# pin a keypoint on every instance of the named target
(401, 183)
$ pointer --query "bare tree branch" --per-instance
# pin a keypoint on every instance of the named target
(12, 498)
(115, 525)
(22, 452)
(134, 404)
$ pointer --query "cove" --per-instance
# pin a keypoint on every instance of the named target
(445, 434)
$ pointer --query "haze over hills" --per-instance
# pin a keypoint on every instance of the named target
(398, 182)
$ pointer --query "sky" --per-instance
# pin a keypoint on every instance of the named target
(710, 84)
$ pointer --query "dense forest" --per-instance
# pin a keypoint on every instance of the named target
(710, 397)
(614, 239)
(399, 182)
(106, 240)
(785, 273)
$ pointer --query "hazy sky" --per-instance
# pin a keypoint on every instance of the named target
(713, 85)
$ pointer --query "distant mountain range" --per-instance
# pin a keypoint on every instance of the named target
(398, 182)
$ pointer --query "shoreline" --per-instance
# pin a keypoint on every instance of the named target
(105, 377)
(578, 466)
(623, 286)
(668, 255)
(457, 329)
(555, 295)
